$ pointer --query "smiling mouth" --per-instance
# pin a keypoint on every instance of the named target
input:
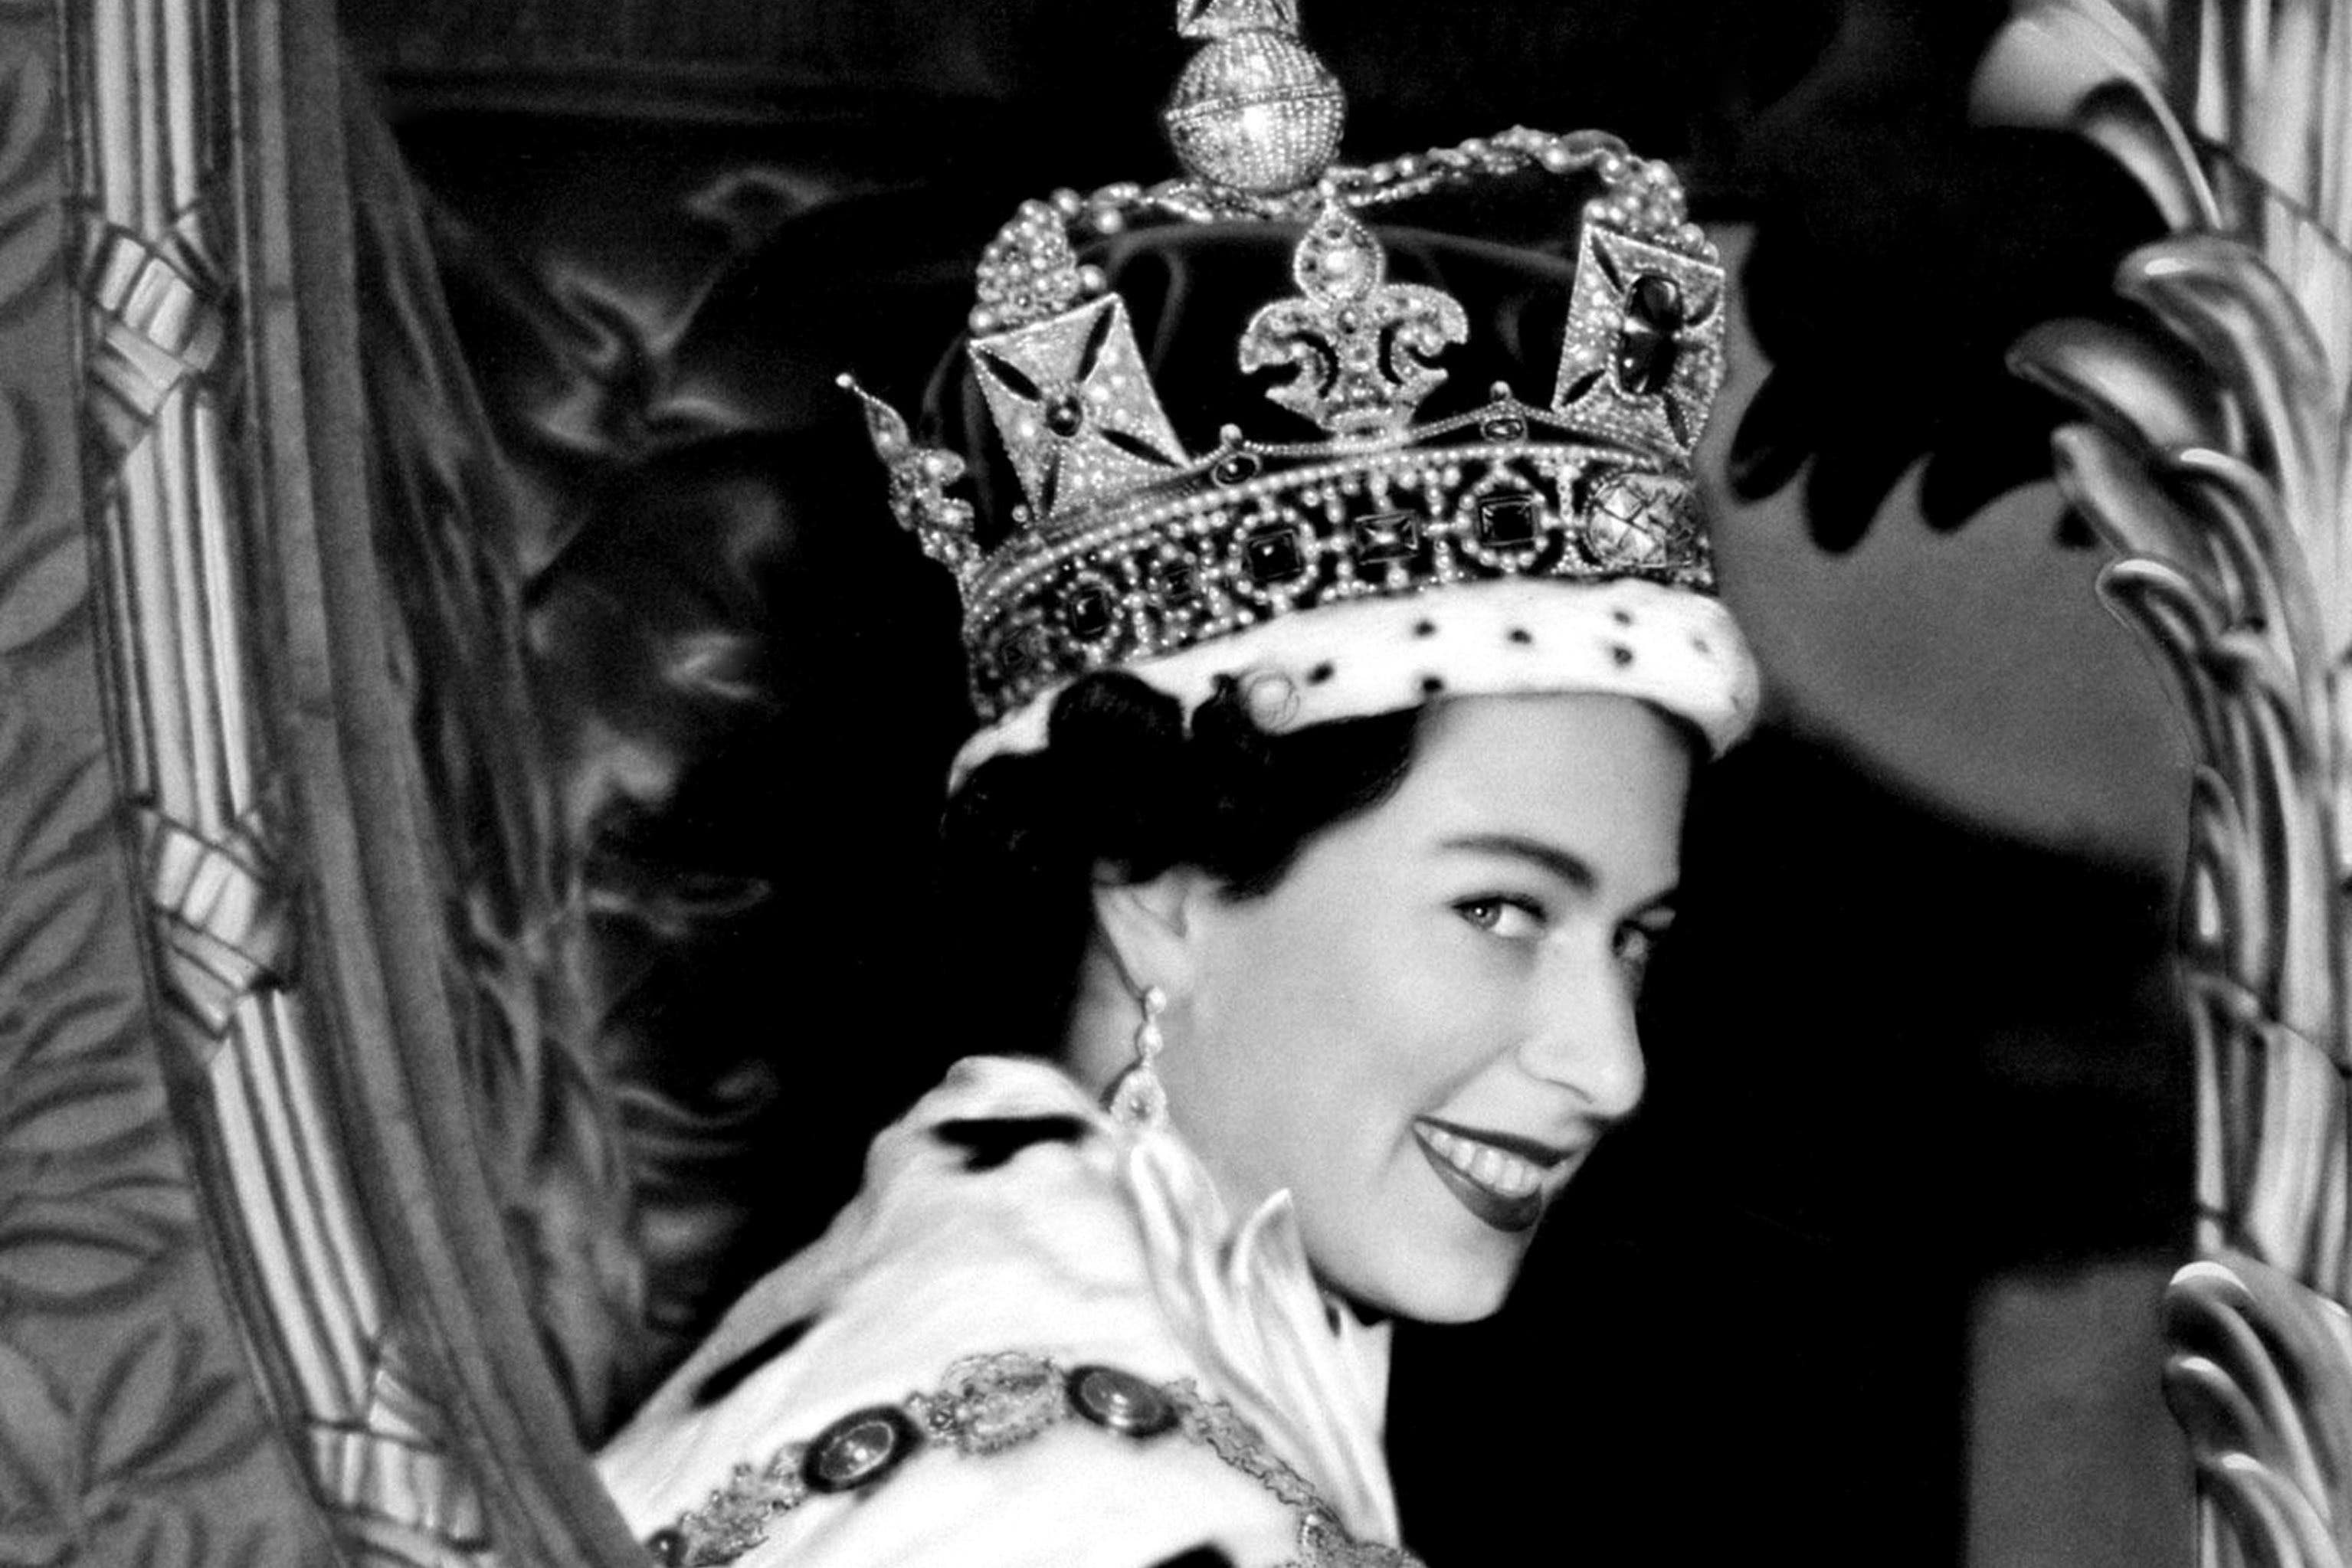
(1498, 1177)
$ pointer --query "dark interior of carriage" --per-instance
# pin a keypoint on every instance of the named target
(1916, 1083)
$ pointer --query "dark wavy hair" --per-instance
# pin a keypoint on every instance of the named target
(1125, 789)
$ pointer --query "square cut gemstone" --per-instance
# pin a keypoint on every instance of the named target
(1018, 652)
(1648, 345)
(1177, 582)
(1387, 536)
(1274, 555)
(1507, 519)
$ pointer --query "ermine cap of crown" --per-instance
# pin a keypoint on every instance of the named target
(1509, 546)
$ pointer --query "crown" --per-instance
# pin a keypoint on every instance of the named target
(1129, 544)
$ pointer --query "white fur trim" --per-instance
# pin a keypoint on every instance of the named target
(1516, 636)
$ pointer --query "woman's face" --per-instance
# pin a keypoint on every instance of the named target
(1424, 1027)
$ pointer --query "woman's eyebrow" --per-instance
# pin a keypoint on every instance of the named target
(1569, 868)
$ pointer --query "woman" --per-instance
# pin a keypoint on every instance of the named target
(1325, 813)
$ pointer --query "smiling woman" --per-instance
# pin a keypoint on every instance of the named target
(1301, 877)
(1424, 1028)
(1370, 982)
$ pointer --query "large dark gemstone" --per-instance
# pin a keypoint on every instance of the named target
(1065, 415)
(1235, 467)
(1090, 613)
(1655, 300)
(1387, 536)
(1648, 343)
(1508, 519)
(1120, 1401)
(859, 1450)
(1273, 555)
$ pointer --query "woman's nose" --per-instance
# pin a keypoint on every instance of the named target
(1583, 1038)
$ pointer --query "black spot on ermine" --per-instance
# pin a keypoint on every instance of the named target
(730, 1376)
(989, 1141)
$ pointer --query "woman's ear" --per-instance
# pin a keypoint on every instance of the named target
(1150, 928)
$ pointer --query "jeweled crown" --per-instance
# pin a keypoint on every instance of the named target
(1129, 544)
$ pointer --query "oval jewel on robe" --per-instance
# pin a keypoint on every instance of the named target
(1120, 1401)
(859, 1450)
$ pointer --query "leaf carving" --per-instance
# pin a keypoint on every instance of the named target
(35, 1455)
(29, 1541)
(157, 1415)
(40, 594)
(58, 1112)
(98, 1024)
(58, 819)
(52, 937)
(58, 1269)
(2112, 375)
(2239, 571)
(252, 1548)
(2260, 1380)
(32, 259)
(44, 571)
(31, 214)
(92, 1226)
(26, 109)
(163, 1534)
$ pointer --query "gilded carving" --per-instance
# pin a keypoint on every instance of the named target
(2259, 1376)
(2223, 487)
(127, 1430)
(178, 515)
(322, 964)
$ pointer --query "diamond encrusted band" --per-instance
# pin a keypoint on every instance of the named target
(1250, 536)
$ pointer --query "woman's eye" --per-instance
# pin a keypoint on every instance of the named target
(1516, 919)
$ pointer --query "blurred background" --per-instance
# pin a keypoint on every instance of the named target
(1874, 1278)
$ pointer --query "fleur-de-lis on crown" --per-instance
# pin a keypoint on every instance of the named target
(919, 478)
(1361, 346)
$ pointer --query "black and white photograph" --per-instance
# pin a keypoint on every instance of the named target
(1175, 783)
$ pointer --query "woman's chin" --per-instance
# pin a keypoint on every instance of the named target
(1449, 1291)
(1426, 1260)
(1466, 1302)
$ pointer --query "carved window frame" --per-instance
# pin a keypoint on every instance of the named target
(275, 814)
(2218, 466)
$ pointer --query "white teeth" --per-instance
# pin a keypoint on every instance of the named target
(1498, 1171)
